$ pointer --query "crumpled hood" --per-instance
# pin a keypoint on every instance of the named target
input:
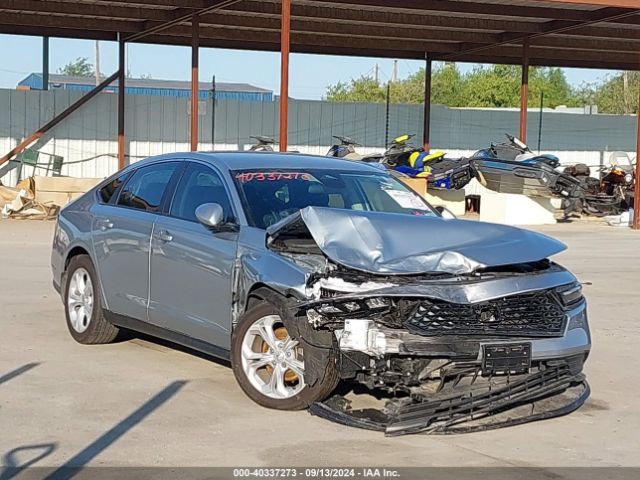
(390, 243)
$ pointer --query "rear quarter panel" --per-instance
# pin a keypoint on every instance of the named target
(73, 229)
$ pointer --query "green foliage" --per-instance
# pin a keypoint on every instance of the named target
(80, 67)
(496, 86)
(446, 85)
(618, 94)
(363, 89)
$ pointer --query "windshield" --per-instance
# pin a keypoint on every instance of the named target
(271, 195)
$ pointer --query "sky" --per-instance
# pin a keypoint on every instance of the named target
(308, 79)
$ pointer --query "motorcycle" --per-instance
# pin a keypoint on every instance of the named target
(441, 172)
(610, 195)
(346, 149)
(516, 150)
(513, 168)
(263, 144)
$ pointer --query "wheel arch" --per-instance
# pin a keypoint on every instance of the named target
(74, 252)
(262, 292)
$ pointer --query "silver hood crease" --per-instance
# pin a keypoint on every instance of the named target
(385, 243)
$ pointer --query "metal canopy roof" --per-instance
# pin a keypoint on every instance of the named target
(570, 33)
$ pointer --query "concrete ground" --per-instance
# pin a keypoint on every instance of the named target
(140, 403)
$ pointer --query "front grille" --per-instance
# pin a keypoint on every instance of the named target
(531, 314)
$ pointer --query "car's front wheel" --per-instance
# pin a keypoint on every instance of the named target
(83, 304)
(269, 364)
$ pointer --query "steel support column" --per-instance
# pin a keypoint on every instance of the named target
(636, 198)
(426, 126)
(121, 86)
(195, 45)
(285, 39)
(45, 63)
(524, 91)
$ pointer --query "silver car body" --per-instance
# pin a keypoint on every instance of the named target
(177, 278)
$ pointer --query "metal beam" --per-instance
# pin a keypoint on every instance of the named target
(91, 10)
(180, 16)
(232, 19)
(453, 6)
(636, 198)
(167, 4)
(121, 111)
(372, 18)
(605, 3)
(552, 27)
(426, 125)
(257, 36)
(524, 91)
(45, 63)
(285, 45)
(339, 46)
(55, 21)
(195, 90)
(57, 119)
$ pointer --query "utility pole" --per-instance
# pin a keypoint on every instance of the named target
(540, 121)
(376, 73)
(394, 75)
(386, 123)
(213, 113)
(97, 62)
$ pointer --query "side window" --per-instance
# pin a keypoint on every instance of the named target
(145, 188)
(106, 192)
(199, 184)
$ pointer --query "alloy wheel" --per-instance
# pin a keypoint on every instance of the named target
(271, 360)
(80, 300)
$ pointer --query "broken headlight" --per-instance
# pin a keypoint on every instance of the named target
(352, 306)
(334, 312)
(570, 295)
(375, 303)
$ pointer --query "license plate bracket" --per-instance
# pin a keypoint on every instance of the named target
(506, 359)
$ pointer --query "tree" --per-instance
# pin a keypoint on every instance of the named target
(446, 85)
(493, 86)
(618, 94)
(80, 67)
(363, 89)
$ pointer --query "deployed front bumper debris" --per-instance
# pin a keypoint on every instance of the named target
(508, 401)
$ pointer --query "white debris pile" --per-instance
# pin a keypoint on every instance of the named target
(623, 220)
(20, 202)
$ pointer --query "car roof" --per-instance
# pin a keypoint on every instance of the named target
(270, 160)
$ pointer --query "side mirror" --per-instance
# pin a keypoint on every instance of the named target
(210, 214)
(445, 213)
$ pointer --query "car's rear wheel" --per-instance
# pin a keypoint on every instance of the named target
(269, 365)
(83, 304)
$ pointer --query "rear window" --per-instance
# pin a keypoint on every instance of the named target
(106, 192)
(146, 187)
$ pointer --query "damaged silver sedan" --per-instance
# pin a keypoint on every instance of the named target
(304, 271)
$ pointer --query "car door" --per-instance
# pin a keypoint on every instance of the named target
(121, 234)
(191, 265)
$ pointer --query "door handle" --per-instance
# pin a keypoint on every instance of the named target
(164, 236)
(104, 224)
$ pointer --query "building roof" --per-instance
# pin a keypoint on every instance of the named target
(569, 33)
(153, 83)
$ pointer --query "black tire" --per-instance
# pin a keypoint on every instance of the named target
(99, 330)
(308, 395)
